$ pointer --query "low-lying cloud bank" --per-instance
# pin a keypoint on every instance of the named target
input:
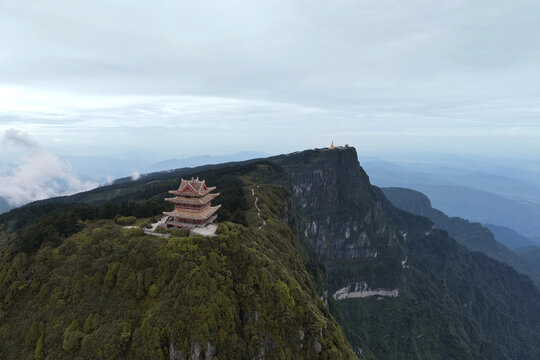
(28, 172)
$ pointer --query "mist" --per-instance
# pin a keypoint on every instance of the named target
(28, 172)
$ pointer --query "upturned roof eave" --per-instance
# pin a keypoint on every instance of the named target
(193, 215)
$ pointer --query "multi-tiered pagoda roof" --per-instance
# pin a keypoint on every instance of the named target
(192, 205)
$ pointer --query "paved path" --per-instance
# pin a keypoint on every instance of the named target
(158, 223)
(152, 230)
(208, 230)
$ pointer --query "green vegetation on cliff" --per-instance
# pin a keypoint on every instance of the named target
(73, 283)
(105, 292)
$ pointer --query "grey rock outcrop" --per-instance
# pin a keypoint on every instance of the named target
(175, 354)
(337, 209)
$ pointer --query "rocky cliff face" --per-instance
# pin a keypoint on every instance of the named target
(401, 288)
(338, 211)
(342, 217)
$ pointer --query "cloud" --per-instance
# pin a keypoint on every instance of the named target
(30, 173)
(192, 71)
(135, 176)
(14, 138)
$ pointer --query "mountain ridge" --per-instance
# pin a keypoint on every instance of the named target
(473, 236)
(450, 304)
(200, 160)
(510, 238)
(466, 199)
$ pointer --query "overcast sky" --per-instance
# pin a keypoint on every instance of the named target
(182, 78)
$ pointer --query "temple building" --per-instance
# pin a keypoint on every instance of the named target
(192, 205)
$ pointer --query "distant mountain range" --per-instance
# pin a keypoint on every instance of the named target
(112, 167)
(473, 195)
(202, 160)
(510, 238)
(485, 207)
(473, 236)
(530, 255)
(514, 183)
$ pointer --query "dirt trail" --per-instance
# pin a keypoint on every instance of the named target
(257, 207)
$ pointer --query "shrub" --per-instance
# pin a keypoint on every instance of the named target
(39, 348)
(161, 230)
(153, 291)
(125, 220)
(179, 232)
(134, 232)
